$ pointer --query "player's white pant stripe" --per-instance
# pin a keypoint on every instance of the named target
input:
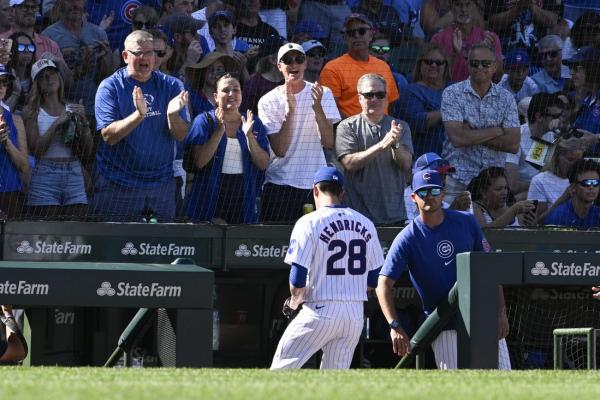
(445, 351)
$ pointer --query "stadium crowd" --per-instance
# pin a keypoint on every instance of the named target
(221, 111)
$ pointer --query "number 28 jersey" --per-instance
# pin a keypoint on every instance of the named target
(338, 246)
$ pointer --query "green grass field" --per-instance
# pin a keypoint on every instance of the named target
(42, 383)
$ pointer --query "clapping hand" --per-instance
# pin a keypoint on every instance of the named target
(289, 95)
(248, 123)
(316, 92)
(3, 131)
(393, 136)
(139, 101)
(488, 39)
(457, 40)
(178, 102)
(220, 118)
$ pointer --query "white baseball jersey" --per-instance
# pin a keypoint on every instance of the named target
(338, 246)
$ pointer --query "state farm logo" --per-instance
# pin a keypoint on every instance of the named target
(242, 251)
(128, 289)
(262, 251)
(53, 247)
(25, 248)
(540, 269)
(157, 249)
(129, 249)
(105, 289)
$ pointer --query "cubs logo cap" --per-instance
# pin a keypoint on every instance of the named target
(41, 65)
(286, 48)
(516, 58)
(328, 174)
(426, 179)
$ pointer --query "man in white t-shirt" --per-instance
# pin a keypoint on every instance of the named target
(544, 114)
(299, 118)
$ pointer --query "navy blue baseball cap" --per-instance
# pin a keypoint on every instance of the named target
(4, 71)
(223, 14)
(432, 161)
(516, 58)
(585, 55)
(360, 17)
(328, 174)
(426, 179)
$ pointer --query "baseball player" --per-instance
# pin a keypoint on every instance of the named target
(428, 247)
(334, 255)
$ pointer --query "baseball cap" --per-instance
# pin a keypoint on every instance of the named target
(271, 44)
(358, 16)
(41, 65)
(223, 14)
(516, 58)
(328, 174)
(313, 29)
(229, 62)
(426, 179)
(180, 22)
(286, 48)
(585, 55)
(5, 71)
(311, 44)
(432, 161)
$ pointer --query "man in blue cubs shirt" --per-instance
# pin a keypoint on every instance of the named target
(576, 208)
(428, 247)
(140, 113)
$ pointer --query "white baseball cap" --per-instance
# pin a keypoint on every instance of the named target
(311, 44)
(286, 48)
(41, 65)
(19, 2)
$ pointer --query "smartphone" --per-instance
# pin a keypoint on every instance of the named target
(535, 204)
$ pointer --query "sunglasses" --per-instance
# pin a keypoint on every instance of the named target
(372, 95)
(549, 54)
(439, 63)
(148, 53)
(354, 32)
(435, 192)
(160, 53)
(589, 183)
(21, 48)
(143, 25)
(381, 49)
(484, 63)
(289, 59)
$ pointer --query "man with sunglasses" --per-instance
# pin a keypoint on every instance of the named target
(141, 114)
(86, 51)
(299, 118)
(553, 76)
(481, 122)
(427, 247)
(579, 209)
(341, 74)
(375, 150)
(25, 12)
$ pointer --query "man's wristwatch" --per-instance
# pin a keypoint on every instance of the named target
(394, 324)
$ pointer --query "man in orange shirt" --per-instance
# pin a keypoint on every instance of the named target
(341, 74)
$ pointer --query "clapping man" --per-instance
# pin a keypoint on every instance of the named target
(299, 118)
(140, 114)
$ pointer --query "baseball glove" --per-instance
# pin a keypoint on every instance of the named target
(289, 312)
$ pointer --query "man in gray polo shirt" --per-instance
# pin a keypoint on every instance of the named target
(375, 151)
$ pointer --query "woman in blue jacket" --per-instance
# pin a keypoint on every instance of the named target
(231, 153)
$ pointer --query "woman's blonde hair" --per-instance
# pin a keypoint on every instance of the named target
(36, 97)
(561, 147)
